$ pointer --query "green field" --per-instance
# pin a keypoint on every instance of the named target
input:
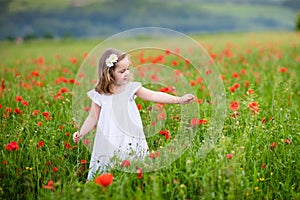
(256, 156)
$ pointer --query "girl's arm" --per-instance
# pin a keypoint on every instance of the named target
(89, 123)
(161, 97)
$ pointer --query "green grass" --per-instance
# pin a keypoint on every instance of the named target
(264, 165)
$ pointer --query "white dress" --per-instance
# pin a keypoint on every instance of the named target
(119, 129)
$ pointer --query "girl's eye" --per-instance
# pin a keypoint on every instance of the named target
(124, 70)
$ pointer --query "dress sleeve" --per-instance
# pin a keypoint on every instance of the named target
(134, 87)
(95, 97)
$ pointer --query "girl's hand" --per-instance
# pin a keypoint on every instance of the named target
(76, 137)
(185, 99)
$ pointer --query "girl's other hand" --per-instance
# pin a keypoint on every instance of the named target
(76, 137)
(188, 98)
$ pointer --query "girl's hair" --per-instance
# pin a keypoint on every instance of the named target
(105, 73)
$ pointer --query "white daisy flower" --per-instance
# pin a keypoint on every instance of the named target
(111, 60)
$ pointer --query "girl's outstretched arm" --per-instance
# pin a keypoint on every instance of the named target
(161, 97)
(89, 123)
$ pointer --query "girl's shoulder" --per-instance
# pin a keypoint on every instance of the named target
(133, 87)
(134, 84)
(95, 96)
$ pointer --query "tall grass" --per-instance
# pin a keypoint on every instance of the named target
(256, 157)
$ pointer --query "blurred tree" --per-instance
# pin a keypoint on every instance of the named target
(297, 25)
(30, 36)
(4, 6)
(48, 36)
(10, 38)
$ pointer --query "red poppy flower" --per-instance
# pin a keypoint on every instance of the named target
(159, 58)
(39, 123)
(202, 121)
(49, 185)
(273, 145)
(227, 52)
(40, 60)
(253, 106)
(25, 103)
(153, 155)
(236, 85)
(154, 78)
(263, 166)
(168, 51)
(63, 90)
(46, 114)
(54, 169)
(235, 75)
(35, 112)
(174, 63)
(40, 144)
(232, 89)
(18, 111)
(35, 73)
(243, 71)
(166, 133)
(83, 161)
(139, 172)
(283, 70)
(209, 71)
(167, 89)
(222, 77)
(67, 146)
(18, 98)
(86, 142)
(177, 72)
(192, 83)
(247, 83)
(195, 121)
(139, 106)
(104, 179)
(229, 156)
(250, 91)
(125, 163)
(2, 85)
(12, 146)
(162, 116)
(287, 141)
(234, 106)
(74, 60)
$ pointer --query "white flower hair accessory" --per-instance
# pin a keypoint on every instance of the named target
(111, 60)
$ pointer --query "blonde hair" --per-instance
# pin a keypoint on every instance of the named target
(106, 74)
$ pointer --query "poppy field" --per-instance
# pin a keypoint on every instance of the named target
(255, 157)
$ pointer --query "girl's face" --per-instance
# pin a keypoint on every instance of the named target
(121, 72)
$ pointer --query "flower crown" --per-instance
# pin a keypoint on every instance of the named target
(111, 60)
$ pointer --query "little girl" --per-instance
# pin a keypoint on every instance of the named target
(119, 127)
